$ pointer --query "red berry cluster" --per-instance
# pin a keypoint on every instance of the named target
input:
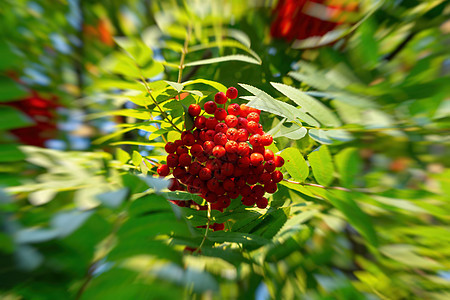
(224, 156)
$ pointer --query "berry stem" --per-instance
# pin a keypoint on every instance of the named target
(207, 229)
(183, 53)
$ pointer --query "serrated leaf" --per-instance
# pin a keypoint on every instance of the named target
(295, 164)
(294, 132)
(322, 165)
(234, 57)
(177, 86)
(226, 43)
(218, 86)
(309, 105)
(320, 136)
(348, 163)
(136, 158)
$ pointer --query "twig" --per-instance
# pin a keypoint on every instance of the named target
(319, 186)
(400, 47)
(207, 229)
(183, 53)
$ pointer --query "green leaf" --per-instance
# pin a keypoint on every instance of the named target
(132, 247)
(237, 237)
(226, 43)
(404, 254)
(122, 156)
(188, 120)
(11, 118)
(344, 201)
(115, 198)
(10, 153)
(141, 114)
(136, 158)
(234, 57)
(295, 164)
(322, 165)
(218, 86)
(320, 136)
(10, 90)
(294, 132)
(177, 86)
(348, 163)
(309, 105)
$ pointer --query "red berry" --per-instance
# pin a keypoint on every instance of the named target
(258, 191)
(232, 133)
(220, 98)
(228, 185)
(243, 162)
(218, 151)
(179, 172)
(262, 202)
(252, 179)
(242, 123)
(248, 201)
(266, 139)
(279, 161)
(242, 135)
(184, 160)
(277, 176)
(252, 109)
(252, 127)
(221, 127)
(213, 184)
(265, 178)
(220, 139)
(253, 117)
(173, 184)
(172, 160)
(234, 109)
(196, 150)
(210, 107)
(256, 159)
(209, 135)
(227, 169)
(210, 197)
(231, 157)
(163, 170)
(208, 146)
(258, 149)
(220, 114)
(244, 110)
(246, 191)
(194, 168)
(243, 149)
(270, 187)
(231, 147)
(200, 122)
(182, 149)
(255, 140)
(231, 121)
(232, 92)
(233, 194)
(205, 174)
(170, 147)
(268, 155)
(224, 201)
(188, 139)
(211, 123)
(269, 166)
(194, 110)
(240, 182)
(213, 164)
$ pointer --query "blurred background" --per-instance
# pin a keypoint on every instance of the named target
(69, 157)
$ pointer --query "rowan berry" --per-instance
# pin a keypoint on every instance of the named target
(210, 107)
(246, 191)
(224, 201)
(179, 172)
(252, 109)
(231, 157)
(233, 194)
(279, 161)
(220, 98)
(185, 160)
(188, 139)
(210, 197)
(227, 169)
(262, 202)
(253, 117)
(172, 160)
(270, 187)
(194, 110)
(182, 149)
(220, 114)
(173, 184)
(200, 122)
(248, 201)
(252, 179)
(208, 147)
(243, 149)
(218, 151)
(255, 140)
(228, 185)
(213, 184)
(258, 149)
(234, 109)
(252, 127)
(232, 92)
(244, 110)
(243, 162)
(265, 178)
(209, 135)
(266, 139)
(194, 168)
(258, 191)
(256, 159)
(242, 123)
(240, 182)
(232, 133)
(220, 139)
(219, 174)
(268, 155)
(196, 150)
(170, 147)
(221, 127)
(213, 164)
(231, 147)
(242, 135)
(277, 176)
(205, 174)
(163, 170)
(211, 123)
(231, 121)
(270, 166)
